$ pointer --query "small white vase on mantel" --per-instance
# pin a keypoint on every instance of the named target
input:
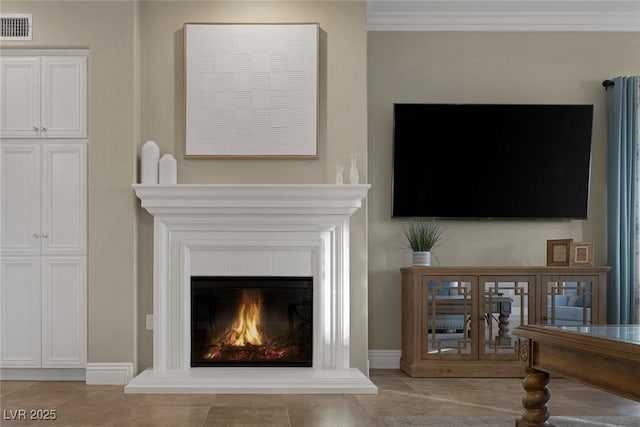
(339, 170)
(150, 157)
(168, 170)
(354, 177)
(421, 258)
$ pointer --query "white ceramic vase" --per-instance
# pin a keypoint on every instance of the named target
(339, 170)
(168, 170)
(150, 156)
(354, 177)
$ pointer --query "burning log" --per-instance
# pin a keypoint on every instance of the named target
(247, 352)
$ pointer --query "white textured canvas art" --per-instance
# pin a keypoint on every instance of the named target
(251, 90)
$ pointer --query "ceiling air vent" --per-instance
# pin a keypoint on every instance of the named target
(15, 26)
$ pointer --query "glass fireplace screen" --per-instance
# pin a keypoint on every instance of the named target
(251, 321)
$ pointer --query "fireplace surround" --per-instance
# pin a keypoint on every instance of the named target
(251, 230)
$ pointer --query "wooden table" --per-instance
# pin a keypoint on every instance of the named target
(603, 356)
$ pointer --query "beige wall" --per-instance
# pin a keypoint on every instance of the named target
(136, 93)
(107, 30)
(481, 68)
(342, 110)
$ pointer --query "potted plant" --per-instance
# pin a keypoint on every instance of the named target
(422, 236)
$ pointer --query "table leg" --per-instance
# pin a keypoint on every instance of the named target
(536, 412)
(504, 334)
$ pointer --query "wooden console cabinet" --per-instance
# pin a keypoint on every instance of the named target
(457, 321)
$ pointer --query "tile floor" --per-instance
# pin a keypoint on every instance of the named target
(77, 404)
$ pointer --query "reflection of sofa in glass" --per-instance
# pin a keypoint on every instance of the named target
(569, 309)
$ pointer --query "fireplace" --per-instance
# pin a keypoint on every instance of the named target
(251, 321)
(263, 230)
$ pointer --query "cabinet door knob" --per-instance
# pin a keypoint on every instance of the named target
(43, 129)
(36, 235)
(45, 235)
(35, 128)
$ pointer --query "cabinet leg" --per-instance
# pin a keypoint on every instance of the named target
(535, 400)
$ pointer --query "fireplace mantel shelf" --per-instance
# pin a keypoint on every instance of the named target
(251, 230)
(184, 199)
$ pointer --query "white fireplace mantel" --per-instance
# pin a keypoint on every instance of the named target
(251, 230)
(264, 199)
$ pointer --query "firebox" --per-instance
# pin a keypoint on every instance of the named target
(251, 321)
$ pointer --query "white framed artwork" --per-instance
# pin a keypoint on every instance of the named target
(251, 90)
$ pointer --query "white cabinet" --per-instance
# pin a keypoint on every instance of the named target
(43, 234)
(20, 108)
(20, 185)
(43, 97)
(64, 205)
(43, 312)
(43, 198)
(20, 300)
(64, 317)
(43, 209)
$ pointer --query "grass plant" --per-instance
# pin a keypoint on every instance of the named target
(423, 234)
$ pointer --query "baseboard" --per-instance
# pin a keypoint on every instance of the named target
(109, 373)
(384, 359)
(43, 374)
(122, 373)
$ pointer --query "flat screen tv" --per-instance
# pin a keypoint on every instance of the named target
(483, 161)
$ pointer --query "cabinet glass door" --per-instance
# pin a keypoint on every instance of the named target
(447, 326)
(568, 300)
(507, 304)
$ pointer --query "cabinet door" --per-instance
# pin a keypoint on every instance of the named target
(20, 198)
(64, 318)
(19, 97)
(508, 302)
(64, 97)
(449, 307)
(570, 300)
(64, 205)
(20, 300)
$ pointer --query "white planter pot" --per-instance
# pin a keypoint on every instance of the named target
(422, 258)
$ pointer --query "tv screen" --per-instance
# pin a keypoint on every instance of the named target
(510, 161)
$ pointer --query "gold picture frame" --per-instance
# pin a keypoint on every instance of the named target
(558, 252)
(581, 254)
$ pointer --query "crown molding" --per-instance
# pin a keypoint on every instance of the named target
(503, 15)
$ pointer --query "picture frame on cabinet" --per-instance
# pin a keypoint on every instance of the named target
(582, 253)
(558, 252)
(251, 90)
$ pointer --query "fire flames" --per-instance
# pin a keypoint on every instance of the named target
(246, 328)
(245, 340)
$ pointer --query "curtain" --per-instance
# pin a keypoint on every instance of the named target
(622, 200)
